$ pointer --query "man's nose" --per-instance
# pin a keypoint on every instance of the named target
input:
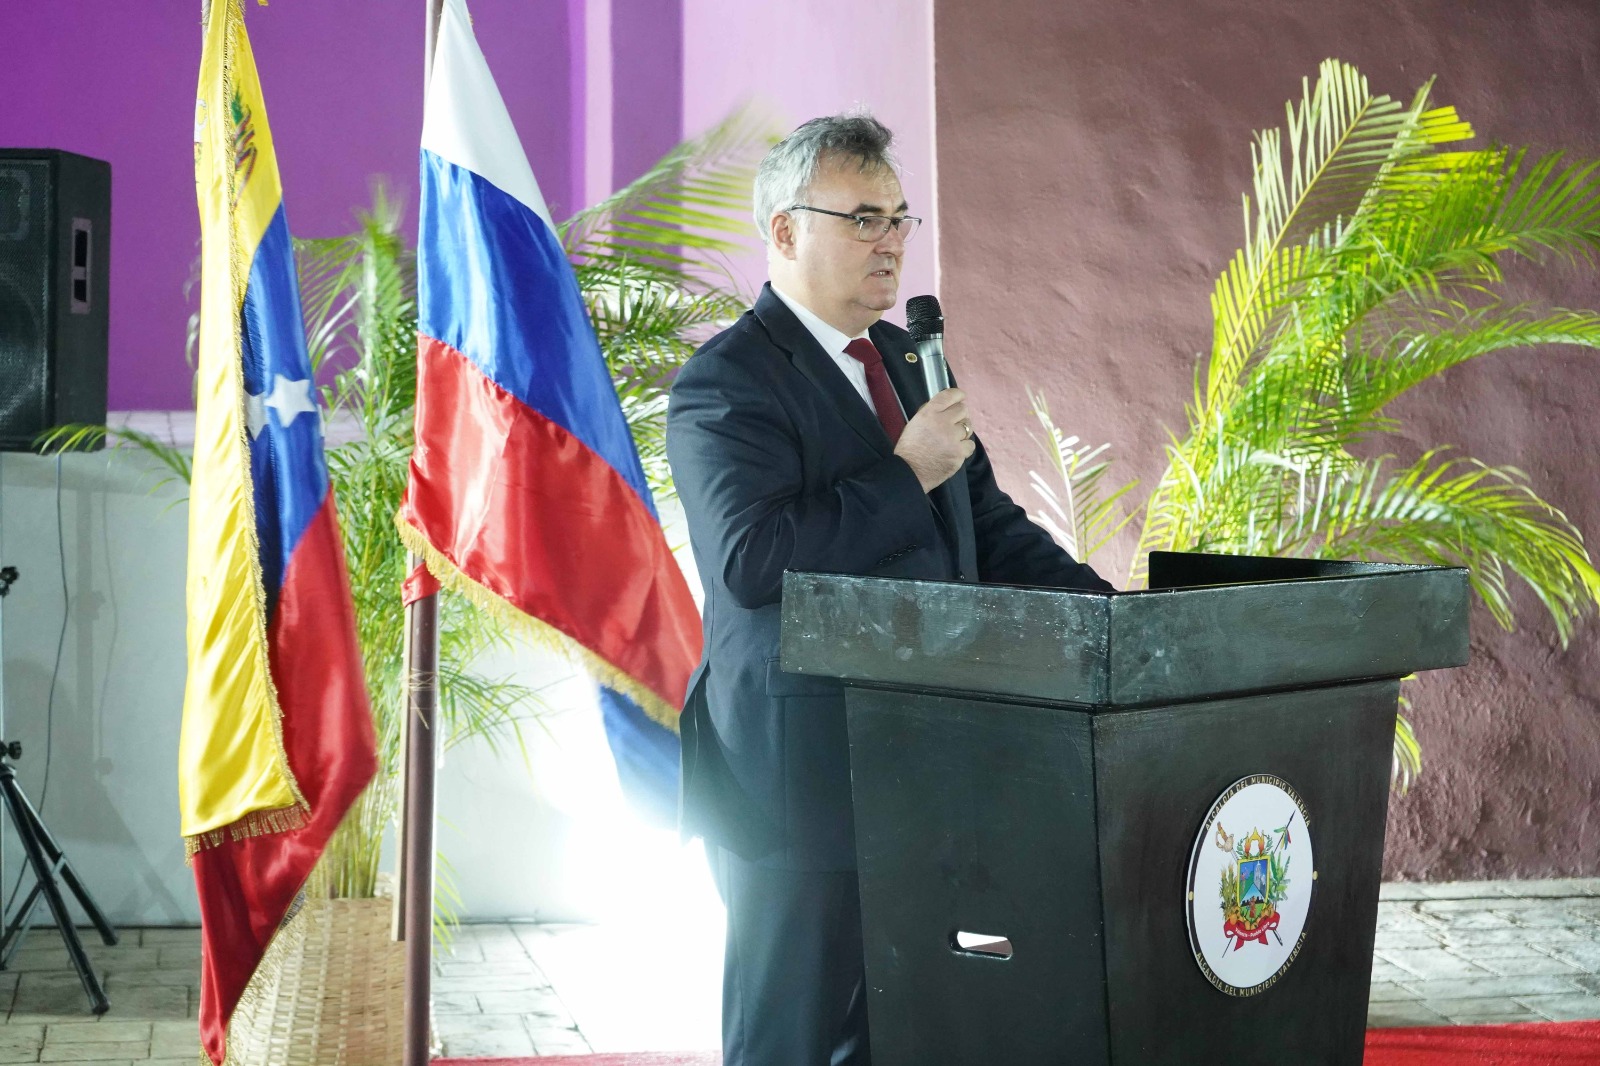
(891, 243)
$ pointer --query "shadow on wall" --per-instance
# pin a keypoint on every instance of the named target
(97, 765)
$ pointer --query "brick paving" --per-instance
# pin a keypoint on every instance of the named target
(1477, 952)
(1465, 953)
(151, 976)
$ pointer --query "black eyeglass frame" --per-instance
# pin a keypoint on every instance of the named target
(862, 220)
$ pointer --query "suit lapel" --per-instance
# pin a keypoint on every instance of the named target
(950, 501)
(904, 375)
(788, 333)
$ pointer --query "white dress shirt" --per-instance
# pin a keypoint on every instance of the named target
(833, 342)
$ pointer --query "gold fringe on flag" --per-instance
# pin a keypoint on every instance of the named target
(239, 270)
(541, 632)
(237, 172)
(254, 824)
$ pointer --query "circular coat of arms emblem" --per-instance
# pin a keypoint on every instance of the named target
(1251, 879)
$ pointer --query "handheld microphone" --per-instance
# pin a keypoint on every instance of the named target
(925, 322)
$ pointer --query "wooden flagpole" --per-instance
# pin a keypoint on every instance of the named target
(414, 895)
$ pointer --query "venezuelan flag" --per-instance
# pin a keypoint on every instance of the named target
(277, 736)
(526, 491)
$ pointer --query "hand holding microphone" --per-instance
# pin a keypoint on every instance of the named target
(938, 439)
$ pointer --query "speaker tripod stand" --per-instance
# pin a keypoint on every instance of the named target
(47, 861)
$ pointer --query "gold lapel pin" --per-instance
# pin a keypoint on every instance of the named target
(911, 357)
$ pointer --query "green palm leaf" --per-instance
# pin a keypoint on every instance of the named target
(1080, 515)
(1372, 260)
(650, 263)
(1460, 512)
(679, 215)
(1339, 142)
(1280, 296)
(1412, 356)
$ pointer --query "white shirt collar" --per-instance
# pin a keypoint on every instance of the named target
(833, 341)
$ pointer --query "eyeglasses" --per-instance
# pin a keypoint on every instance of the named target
(871, 227)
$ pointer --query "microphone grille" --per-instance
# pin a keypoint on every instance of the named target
(923, 316)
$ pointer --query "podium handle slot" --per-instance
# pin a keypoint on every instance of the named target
(981, 945)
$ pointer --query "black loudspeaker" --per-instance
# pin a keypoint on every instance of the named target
(55, 255)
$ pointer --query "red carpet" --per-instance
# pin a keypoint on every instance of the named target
(1535, 1044)
(1532, 1044)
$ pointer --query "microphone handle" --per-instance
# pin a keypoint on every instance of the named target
(935, 371)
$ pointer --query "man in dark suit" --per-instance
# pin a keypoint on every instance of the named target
(803, 438)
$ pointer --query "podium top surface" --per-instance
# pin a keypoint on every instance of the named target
(1209, 625)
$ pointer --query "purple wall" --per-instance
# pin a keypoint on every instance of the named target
(343, 84)
(598, 90)
(1091, 158)
(796, 61)
(647, 86)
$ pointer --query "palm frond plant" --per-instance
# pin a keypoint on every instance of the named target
(1080, 515)
(645, 264)
(651, 262)
(1373, 258)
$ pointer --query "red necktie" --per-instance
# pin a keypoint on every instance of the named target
(884, 399)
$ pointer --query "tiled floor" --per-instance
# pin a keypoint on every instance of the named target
(151, 977)
(1450, 953)
(1487, 951)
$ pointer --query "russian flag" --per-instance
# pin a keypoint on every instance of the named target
(525, 490)
(277, 738)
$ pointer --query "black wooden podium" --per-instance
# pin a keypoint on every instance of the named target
(1032, 770)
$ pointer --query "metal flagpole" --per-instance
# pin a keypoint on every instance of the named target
(415, 892)
(416, 889)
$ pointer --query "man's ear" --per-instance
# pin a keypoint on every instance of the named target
(782, 230)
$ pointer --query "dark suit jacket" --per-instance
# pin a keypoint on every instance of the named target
(782, 466)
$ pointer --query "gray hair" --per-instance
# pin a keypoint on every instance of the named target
(786, 172)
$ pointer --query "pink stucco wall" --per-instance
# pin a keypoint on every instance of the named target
(1091, 156)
